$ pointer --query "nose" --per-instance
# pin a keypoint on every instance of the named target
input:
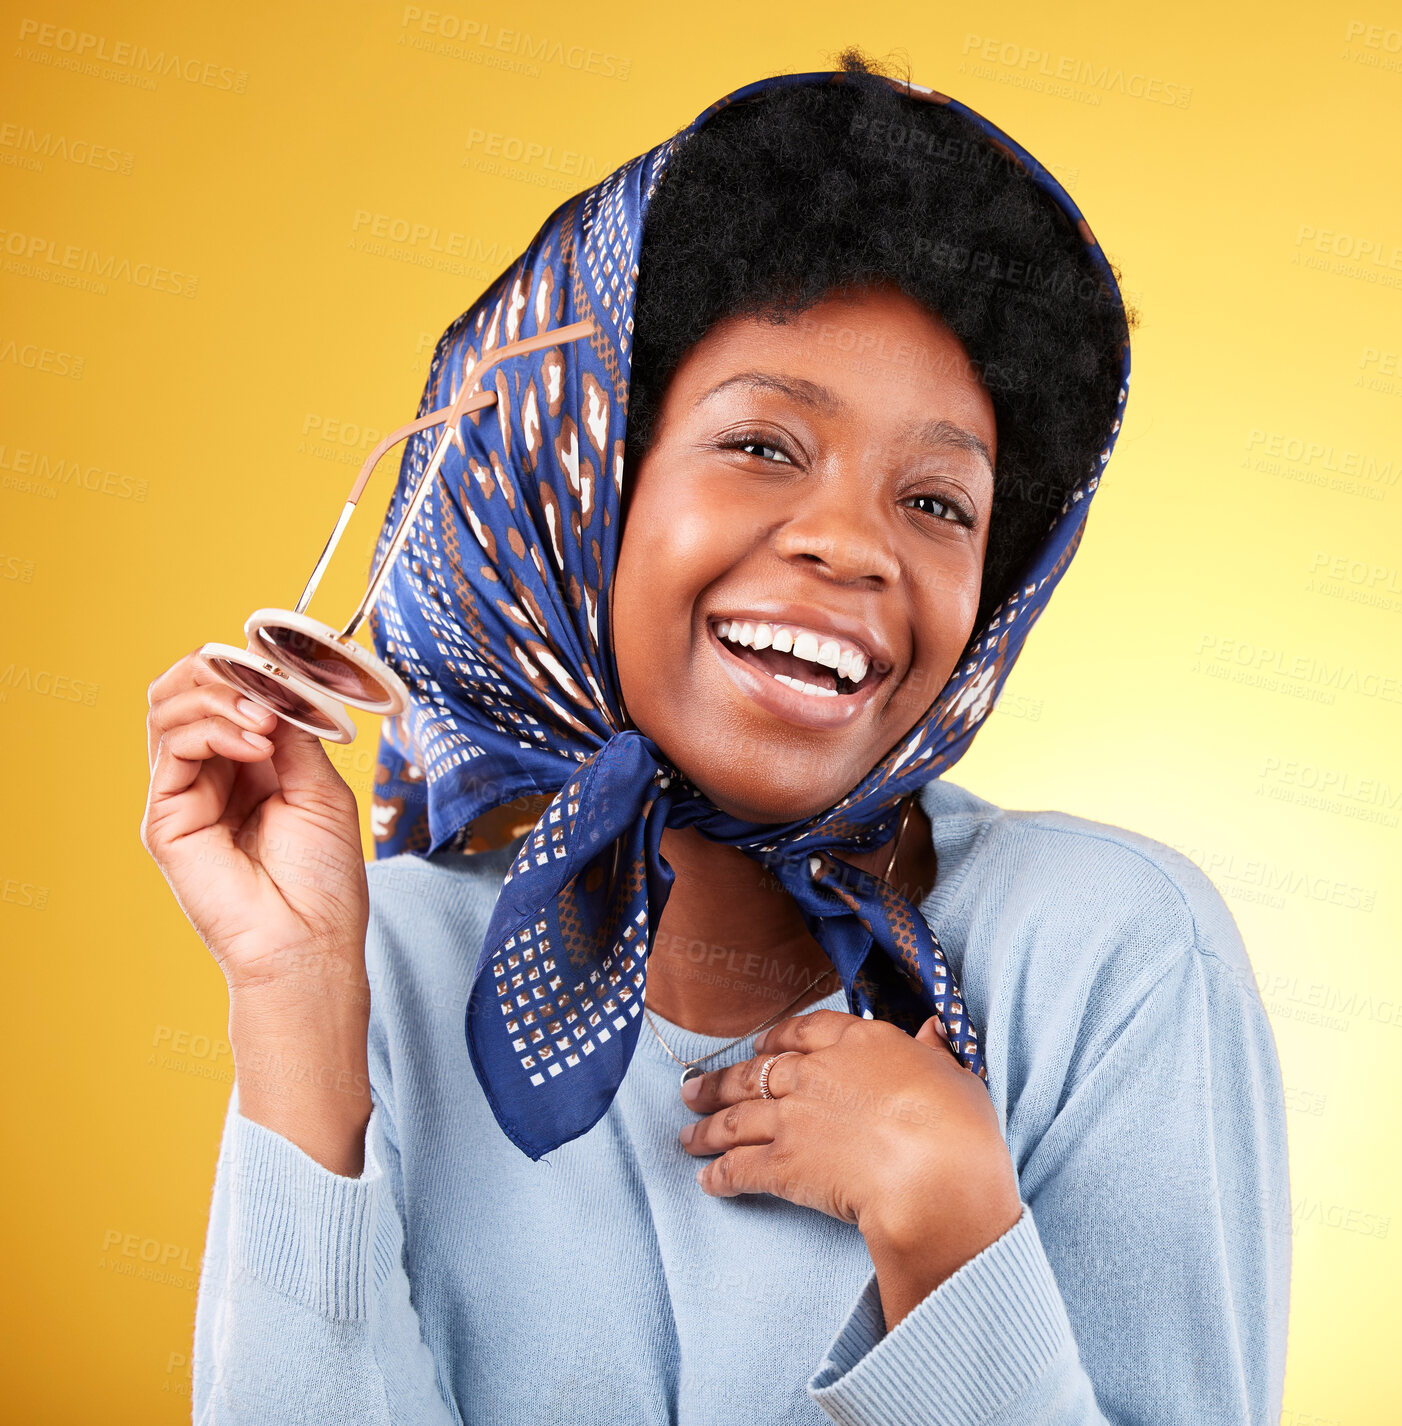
(838, 525)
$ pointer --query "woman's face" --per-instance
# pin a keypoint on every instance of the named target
(817, 493)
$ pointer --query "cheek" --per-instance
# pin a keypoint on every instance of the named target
(947, 596)
(682, 551)
(675, 545)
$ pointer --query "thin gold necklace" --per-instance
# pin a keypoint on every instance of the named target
(689, 1067)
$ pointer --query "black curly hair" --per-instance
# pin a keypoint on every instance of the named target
(776, 202)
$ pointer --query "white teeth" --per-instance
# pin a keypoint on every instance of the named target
(806, 687)
(847, 662)
(805, 647)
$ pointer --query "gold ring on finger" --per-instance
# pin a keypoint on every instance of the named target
(764, 1073)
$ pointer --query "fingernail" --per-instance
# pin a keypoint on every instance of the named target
(691, 1089)
(700, 1173)
(258, 740)
(759, 1039)
(687, 1131)
(255, 712)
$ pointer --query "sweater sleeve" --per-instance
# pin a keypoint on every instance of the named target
(1147, 1280)
(304, 1311)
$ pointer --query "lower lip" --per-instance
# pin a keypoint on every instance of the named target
(807, 710)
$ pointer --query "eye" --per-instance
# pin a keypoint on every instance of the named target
(757, 446)
(940, 509)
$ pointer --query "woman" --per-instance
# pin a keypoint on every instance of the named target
(664, 806)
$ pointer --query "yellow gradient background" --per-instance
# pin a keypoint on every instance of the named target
(1221, 670)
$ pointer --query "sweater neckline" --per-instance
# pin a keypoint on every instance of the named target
(692, 1045)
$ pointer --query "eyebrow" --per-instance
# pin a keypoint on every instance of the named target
(942, 433)
(808, 393)
(947, 434)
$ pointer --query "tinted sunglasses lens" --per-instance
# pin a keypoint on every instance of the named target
(322, 663)
(276, 694)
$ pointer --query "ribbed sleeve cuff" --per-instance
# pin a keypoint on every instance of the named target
(976, 1343)
(299, 1228)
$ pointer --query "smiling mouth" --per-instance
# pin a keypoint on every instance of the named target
(807, 662)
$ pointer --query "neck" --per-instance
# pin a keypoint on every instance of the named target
(732, 947)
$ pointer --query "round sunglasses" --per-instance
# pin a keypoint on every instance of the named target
(309, 673)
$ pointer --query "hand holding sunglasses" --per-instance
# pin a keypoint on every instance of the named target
(307, 672)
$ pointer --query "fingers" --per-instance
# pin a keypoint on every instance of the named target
(305, 774)
(748, 1169)
(196, 722)
(182, 749)
(212, 704)
(200, 731)
(752, 1121)
(736, 1083)
(179, 802)
(182, 674)
(811, 1030)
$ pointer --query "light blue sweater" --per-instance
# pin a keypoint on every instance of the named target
(1134, 1074)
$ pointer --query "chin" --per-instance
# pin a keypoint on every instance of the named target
(767, 797)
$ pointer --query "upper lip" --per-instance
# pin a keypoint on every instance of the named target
(820, 621)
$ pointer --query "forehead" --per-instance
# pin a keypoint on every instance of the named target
(876, 356)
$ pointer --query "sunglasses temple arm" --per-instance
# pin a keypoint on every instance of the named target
(553, 336)
(325, 557)
(434, 418)
(478, 402)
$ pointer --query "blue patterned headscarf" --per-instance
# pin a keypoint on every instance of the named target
(496, 616)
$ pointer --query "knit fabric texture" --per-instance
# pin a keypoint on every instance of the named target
(1136, 1080)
